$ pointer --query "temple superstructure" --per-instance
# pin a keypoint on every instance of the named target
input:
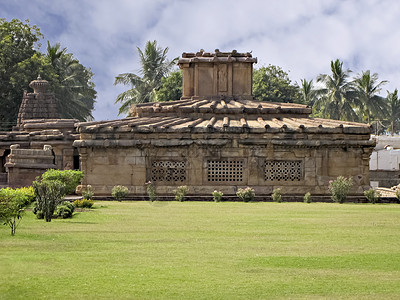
(218, 137)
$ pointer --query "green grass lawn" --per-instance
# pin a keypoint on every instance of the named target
(197, 250)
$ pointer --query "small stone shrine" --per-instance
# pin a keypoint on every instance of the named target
(218, 138)
(41, 140)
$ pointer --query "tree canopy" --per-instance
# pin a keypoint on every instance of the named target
(21, 61)
(171, 87)
(271, 83)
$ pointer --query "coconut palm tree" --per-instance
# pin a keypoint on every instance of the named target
(308, 95)
(54, 53)
(367, 89)
(394, 112)
(73, 87)
(337, 94)
(143, 87)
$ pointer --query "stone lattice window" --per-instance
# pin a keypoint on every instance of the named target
(225, 170)
(283, 170)
(168, 171)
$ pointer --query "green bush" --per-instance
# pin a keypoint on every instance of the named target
(372, 195)
(71, 178)
(340, 188)
(12, 203)
(25, 195)
(151, 191)
(307, 198)
(398, 194)
(84, 203)
(277, 195)
(49, 193)
(180, 193)
(87, 192)
(217, 196)
(65, 209)
(246, 194)
(119, 192)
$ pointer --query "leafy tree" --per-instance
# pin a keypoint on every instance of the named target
(337, 94)
(273, 84)
(171, 88)
(12, 203)
(18, 42)
(154, 67)
(21, 62)
(393, 119)
(367, 89)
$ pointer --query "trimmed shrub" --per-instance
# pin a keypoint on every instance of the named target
(65, 210)
(217, 196)
(340, 188)
(84, 203)
(70, 178)
(277, 195)
(398, 194)
(49, 193)
(119, 192)
(307, 198)
(87, 192)
(246, 195)
(372, 195)
(151, 191)
(180, 193)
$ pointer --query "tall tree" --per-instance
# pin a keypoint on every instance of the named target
(73, 87)
(171, 87)
(337, 94)
(367, 89)
(21, 62)
(18, 44)
(393, 119)
(273, 84)
(308, 94)
(154, 65)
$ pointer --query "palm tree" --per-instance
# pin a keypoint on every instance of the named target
(308, 95)
(394, 112)
(154, 67)
(73, 88)
(54, 53)
(337, 95)
(367, 88)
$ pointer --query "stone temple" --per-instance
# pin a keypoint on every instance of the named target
(216, 137)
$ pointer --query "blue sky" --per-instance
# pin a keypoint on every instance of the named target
(301, 36)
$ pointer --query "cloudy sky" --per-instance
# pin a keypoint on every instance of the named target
(301, 36)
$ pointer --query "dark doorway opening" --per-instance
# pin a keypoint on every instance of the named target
(76, 160)
(4, 160)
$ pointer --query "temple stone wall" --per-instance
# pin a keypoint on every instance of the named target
(25, 164)
(207, 168)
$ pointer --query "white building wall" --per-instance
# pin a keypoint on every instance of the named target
(385, 160)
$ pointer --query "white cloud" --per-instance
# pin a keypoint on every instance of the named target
(300, 36)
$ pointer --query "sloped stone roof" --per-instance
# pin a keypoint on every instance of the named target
(219, 115)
